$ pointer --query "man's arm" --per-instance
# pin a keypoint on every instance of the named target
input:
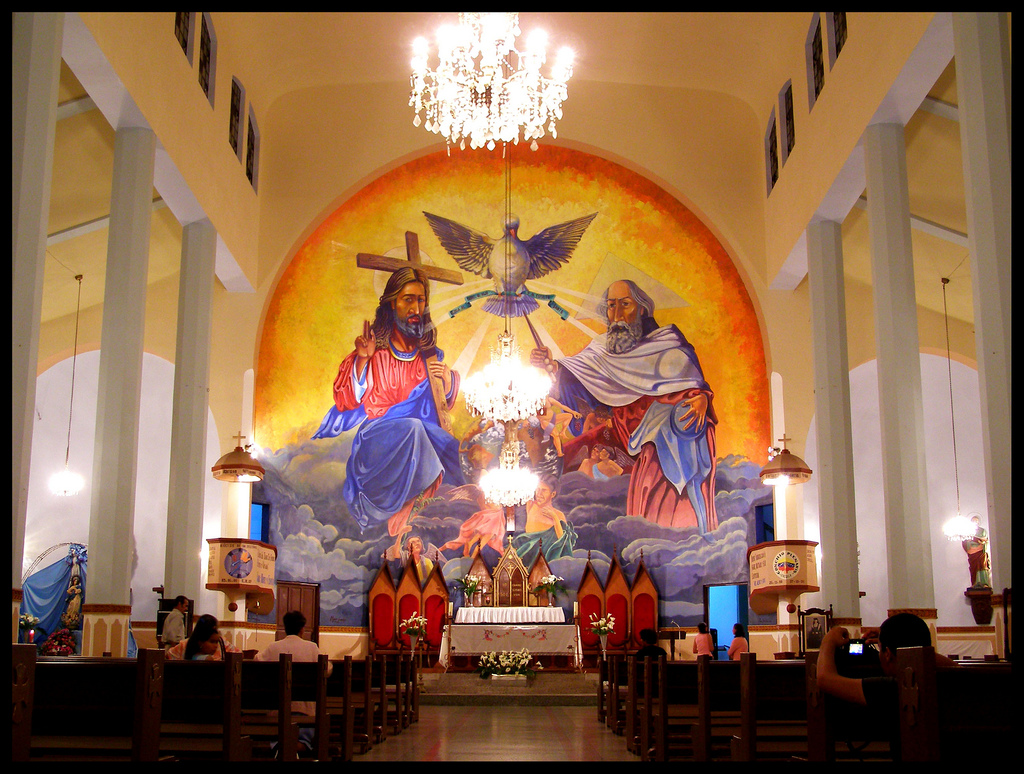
(829, 679)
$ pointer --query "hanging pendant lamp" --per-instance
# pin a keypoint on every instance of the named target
(784, 467)
(238, 466)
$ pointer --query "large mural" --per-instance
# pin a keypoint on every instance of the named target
(652, 436)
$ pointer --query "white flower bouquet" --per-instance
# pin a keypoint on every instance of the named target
(508, 662)
(469, 584)
(599, 626)
(415, 625)
(552, 584)
(27, 621)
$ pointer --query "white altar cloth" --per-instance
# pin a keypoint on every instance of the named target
(509, 615)
(540, 640)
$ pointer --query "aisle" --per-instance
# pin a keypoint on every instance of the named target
(495, 733)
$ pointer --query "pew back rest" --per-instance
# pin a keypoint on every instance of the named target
(267, 685)
(203, 692)
(95, 696)
(780, 690)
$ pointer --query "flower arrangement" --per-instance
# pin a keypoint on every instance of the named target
(27, 621)
(600, 626)
(60, 643)
(469, 584)
(551, 584)
(414, 625)
(508, 662)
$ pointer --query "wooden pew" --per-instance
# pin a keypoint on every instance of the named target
(340, 710)
(617, 685)
(773, 710)
(309, 683)
(669, 719)
(266, 706)
(602, 689)
(90, 709)
(718, 708)
(398, 690)
(364, 709)
(23, 670)
(202, 710)
(639, 689)
(839, 730)
(952, 713)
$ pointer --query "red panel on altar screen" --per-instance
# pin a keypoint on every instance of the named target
(383, 621)
(590, 605)
(407, 605)
(645, 616)
(433, 610)
(618, 608)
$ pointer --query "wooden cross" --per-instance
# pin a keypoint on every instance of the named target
(386, 263)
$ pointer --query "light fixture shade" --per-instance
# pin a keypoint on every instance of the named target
(238, 466)
(785, 468)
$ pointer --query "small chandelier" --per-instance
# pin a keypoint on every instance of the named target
(484, 89)
(508, 484)
(66, 483)
(238, 466)
(784, 467)
(506, 390)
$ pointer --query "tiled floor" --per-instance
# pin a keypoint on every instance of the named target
(503, 733)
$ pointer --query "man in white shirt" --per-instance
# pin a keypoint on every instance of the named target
(174, 625)
(300, 650)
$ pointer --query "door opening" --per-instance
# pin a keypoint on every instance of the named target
(725, 605)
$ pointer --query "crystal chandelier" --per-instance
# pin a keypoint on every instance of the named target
(485, 90)
(65, 483)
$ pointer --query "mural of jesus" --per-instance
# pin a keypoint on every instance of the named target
(399, 453)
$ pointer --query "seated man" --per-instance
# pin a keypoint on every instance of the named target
(881, 693)
(301, 650)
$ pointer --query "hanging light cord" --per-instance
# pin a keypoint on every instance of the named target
(508, 240)
(949, 367)
(74, 362)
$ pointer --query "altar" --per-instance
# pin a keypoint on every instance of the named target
(541, 630)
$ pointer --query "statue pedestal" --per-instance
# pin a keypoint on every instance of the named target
(981, 605)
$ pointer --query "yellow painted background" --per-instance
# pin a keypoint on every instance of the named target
(322, 297)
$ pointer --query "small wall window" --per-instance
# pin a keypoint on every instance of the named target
(207, 58)
(815, 61)
(787, 124)
(235, 123)
(771, 153)
(252, 152)
(836, 22)
(184, 31)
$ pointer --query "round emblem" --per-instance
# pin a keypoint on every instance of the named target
(238, 563)
(786, 564)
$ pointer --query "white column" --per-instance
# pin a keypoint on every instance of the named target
(837, 507)
(35, 73)
(982, 44)
(189, 471)
(111, 523)
(904, 481)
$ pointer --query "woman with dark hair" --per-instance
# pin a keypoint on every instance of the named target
(205, 643)
(703, 643)
(739, 642)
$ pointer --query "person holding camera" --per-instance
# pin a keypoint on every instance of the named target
(903, 630)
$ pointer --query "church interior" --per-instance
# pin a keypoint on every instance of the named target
(802, 218)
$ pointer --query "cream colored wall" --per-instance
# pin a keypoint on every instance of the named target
(876, 50)
(143, 51)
